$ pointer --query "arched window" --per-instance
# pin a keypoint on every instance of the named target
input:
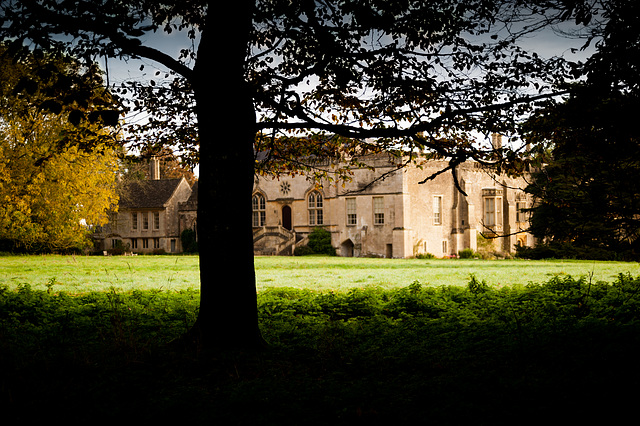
(316, 216)
(259, 210)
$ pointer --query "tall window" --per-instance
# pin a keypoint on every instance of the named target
(113, 220)
(437, 209)
(156, 220)
(378, 210)
(492, 208)
(521, 214)
(316, 214)
(259, 210)
(145, 221)
(134, 221)
(352, 218)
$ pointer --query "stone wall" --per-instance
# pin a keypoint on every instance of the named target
(397, 216)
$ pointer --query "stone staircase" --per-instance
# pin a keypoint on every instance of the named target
(274, 241)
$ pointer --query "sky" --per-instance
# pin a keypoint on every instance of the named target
(546, 43)
(127, 70)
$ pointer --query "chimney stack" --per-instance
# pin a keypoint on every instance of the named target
(496, 140)
(154, 168)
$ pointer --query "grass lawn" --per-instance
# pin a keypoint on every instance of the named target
(76, 274)
(340, 273)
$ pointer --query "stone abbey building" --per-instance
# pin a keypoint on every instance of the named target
(150, 216)
(396, 216)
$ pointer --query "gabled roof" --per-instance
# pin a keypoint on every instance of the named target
(192, 203)
(193, 198)
(148, 193)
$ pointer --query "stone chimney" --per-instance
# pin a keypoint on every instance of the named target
(154, 168)
(496, 141)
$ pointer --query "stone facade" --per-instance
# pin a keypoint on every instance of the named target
(384, 212)
(188, 210)
(394, 216)
(147, 219)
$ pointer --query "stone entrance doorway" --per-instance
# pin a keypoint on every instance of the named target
(346, 249)
(286, 217)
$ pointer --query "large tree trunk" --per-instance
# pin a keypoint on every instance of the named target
(228, 314)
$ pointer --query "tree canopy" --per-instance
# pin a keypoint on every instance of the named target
(587, 188)
(407, 74)
(56, 179)
(409, 70)
(587, 195)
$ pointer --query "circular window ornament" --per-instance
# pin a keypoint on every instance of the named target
(285, 188)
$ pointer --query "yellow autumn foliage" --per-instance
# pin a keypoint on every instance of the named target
(53, 188)
(51, 197)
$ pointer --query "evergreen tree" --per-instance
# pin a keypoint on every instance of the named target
(588, 192)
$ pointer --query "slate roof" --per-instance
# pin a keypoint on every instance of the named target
(147, 194)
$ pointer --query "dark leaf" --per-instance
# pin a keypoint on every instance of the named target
(25, 84)
(75, 117)
(110, 117)
(51, 106)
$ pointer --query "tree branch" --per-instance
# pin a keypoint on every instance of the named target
(358, 132)
(134, 49)
(69, 24)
